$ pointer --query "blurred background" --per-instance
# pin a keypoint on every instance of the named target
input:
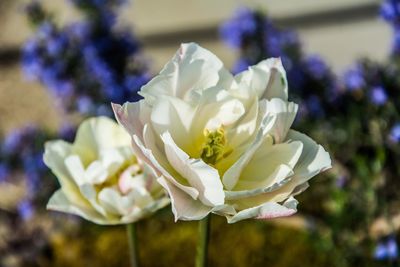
(62, 61)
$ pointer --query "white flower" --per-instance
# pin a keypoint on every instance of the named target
(101, 179)
(220, 143)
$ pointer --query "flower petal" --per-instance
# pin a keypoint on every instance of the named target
(285, 113)
(232, 175)
(199, 175)
(313, 160)
(54, 155)
(144, 142)
(128, 116)
(175, 116)
(190, 71)
(96, 134)
(278, 178)
(149, 159)
(267, 210)
(60, 202)
(146, 211)
(183, 206)
(267, 78)
(267, 160)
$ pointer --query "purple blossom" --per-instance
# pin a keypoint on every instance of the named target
(316, 67)
(67, 132)
(242, 25)
(396, 41)
(390, 10)
(104, 110)
(87, 63)
(4, 172)
(341, 181)
(378, 95)
(354, 79)
(240, 65)
(85, 105)
(386, 249)
(394, 135)
(25, 209)
(314, 106)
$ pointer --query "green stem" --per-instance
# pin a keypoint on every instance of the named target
(133, 248)
(202, 242)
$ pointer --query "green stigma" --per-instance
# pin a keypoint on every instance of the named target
(214, 148)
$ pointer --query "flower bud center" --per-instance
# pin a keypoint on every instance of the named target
(215, 146)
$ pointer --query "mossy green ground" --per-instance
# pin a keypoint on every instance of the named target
(165, 243)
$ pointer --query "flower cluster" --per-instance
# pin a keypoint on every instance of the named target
(257, 38)
(22, 155)
(371, 88)
(86, 64)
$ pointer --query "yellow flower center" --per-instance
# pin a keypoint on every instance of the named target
(215, 146)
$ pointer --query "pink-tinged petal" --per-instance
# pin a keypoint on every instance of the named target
(125, 179)
(267, 210)
(183, 206)
(128, 116)
(199, 175)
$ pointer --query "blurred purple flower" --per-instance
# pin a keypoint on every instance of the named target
(394, 135)
(396, 41)
(378, 95)
(341, 181)
(242, 25)
(316, 67)
(314, 107)
(25, 209)
(86, 60)
(104, 110)
(13, 141)
(4, 172)
(354, 79)
(85, 105)
(387, 249)
(240, 65)
(67, 132)
(390, 10)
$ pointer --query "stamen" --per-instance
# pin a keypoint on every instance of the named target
(215, 146)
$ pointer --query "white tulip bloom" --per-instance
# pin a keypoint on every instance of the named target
(101, 178)
(221, 143)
